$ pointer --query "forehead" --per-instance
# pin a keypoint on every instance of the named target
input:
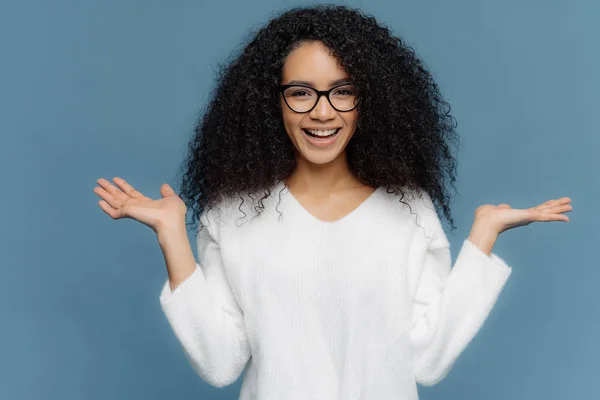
(313, 63)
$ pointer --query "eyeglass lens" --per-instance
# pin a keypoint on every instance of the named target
(302, 99)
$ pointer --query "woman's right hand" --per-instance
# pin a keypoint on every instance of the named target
(126, 202)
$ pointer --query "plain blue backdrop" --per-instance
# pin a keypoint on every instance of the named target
(113, 88)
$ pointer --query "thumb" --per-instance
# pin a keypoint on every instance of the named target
(166, 190)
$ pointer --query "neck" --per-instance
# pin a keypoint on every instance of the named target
(322, 179)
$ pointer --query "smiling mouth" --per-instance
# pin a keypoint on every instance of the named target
(321, 136)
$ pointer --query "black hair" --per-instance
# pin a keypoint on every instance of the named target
(404, 128)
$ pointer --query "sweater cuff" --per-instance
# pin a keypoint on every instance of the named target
(494, 269)
(493, 257)
(192, 284)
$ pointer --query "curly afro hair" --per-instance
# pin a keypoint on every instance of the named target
(404, 126)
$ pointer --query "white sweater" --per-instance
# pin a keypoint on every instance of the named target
(361, 308)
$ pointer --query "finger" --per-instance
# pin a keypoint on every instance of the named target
(107, 197)
(114, 214)
(563, 208)
(127, 188)
(561, 201)
(559, 217)
(106, 185)
(166, 190)
(546, 216)
(557, 209)
(553, 202)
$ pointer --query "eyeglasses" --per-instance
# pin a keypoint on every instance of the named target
(302, 99)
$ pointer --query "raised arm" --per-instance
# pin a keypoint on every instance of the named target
(449, 303)
(204, 313)
(196, 299)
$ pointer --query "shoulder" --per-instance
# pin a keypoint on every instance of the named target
(418, 210)
(237, 211)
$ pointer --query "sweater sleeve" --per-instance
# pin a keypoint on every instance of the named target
(206, 317)
(450, 305)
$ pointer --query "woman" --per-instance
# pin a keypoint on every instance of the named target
(340, 286)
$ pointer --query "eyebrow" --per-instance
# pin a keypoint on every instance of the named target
(332, 83)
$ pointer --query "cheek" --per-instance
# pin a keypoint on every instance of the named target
(351, 119)
(291, 120)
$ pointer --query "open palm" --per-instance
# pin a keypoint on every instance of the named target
(504, 217)
(123, 201)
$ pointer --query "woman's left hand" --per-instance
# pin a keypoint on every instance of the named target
(502, 217)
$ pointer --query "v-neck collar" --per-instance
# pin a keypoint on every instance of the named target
(302, 210)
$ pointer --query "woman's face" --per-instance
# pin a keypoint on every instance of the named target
(312, 65)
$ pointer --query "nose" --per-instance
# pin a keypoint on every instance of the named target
(323, 110)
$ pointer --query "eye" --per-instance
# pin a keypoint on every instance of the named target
(300, 93)
(345, 91)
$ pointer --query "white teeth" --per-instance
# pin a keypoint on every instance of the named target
(322, 133)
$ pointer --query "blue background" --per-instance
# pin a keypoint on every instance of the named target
(113, 88)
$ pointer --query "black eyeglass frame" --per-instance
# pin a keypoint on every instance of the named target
(320, 93)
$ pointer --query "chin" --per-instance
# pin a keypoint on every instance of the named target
(320, 155)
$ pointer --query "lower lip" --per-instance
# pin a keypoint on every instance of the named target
(321, 142)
